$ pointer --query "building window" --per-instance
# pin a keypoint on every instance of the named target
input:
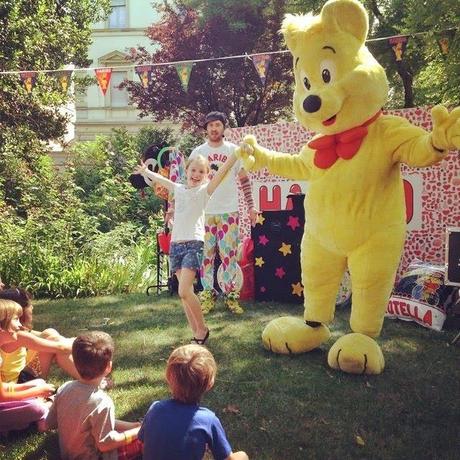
(118, 16)
(118, 97)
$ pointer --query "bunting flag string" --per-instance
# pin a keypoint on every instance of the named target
(103, 78)
(29, 79)
(261, 62)
(398, 45)
(145, 74)
(445, 39)
(184, 70)
(63, 78)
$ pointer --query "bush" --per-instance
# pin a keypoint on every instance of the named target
(82, 232)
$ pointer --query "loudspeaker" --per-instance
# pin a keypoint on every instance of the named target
(452, 276)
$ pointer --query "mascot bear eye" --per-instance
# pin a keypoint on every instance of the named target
(304, 79)
(328, 70)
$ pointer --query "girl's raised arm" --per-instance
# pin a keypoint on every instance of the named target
(145, 172)
(221, 173)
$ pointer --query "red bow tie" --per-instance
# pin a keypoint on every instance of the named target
(344, 145)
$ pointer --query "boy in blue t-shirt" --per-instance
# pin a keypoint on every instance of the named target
(178, 428)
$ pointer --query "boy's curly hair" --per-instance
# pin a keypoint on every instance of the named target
(190, 372)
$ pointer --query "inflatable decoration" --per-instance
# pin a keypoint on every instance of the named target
(354, 209)
(422, 296)
(164, 160)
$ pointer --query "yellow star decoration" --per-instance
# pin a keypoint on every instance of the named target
(260, 219)
(297, 289)
(285, 249)
(259, 261)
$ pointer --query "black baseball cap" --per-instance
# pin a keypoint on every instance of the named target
(215, 116)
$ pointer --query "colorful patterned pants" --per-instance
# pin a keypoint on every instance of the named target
(222, 234)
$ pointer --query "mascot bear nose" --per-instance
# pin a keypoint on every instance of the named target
(312, 104)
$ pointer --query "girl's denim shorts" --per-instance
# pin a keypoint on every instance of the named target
(185, 254)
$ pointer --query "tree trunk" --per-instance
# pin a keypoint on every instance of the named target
(407, 79)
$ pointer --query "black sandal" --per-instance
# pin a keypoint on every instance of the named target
(201, 341)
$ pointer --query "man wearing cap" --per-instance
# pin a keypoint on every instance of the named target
(222, 221)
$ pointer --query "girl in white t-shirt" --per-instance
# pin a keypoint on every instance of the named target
(187, 237)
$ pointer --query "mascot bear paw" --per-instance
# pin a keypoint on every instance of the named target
(356, 354)
(288, 335)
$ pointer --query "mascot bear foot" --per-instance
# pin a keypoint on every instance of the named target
(356, 354)
(288, 335)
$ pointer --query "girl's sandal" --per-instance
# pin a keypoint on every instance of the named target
(201, 341)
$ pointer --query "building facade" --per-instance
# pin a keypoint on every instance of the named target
(125, 28)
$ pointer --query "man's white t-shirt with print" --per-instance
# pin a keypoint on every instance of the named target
(189, 212)
(225, 197)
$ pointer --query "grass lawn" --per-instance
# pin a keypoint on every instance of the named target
(274, 407)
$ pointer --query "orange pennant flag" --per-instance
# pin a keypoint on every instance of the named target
(103, 78)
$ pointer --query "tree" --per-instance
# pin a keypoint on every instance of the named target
(424, 76)
(37, 35)
(197, 30)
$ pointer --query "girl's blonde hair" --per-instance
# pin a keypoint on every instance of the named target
(200, 159)
(8, 309)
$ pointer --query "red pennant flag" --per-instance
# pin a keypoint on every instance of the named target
(103, 78)
(145, 74)
(29, 79)
(261, 63)
(398, 45)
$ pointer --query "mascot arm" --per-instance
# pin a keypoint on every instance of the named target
(413, 145)
(283, 164)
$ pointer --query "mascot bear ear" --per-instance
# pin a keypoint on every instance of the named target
(347, 16)
(292, 28)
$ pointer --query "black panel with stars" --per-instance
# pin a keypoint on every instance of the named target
(277, 236)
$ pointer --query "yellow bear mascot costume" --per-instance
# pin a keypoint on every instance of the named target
(354, 208)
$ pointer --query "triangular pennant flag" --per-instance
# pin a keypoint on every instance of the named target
(184, 70)
(145, 74)
(63, 78)
(103, 78)
(28, 80)
(398, 45)
(261, 63)
(445, 39)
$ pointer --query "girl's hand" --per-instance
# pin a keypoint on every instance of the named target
(66, 345)
(46, 390)
(140, 169)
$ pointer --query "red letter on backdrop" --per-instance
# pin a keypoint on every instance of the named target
(295, 188)
(270, 205)
(409, 195)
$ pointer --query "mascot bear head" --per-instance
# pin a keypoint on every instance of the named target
(338, 83)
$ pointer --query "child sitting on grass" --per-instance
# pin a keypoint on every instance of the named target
(32, 353)
(179, 428)
(20, 404)
(84, 414)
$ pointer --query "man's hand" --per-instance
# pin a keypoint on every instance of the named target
(246, 152)
(253, 214)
